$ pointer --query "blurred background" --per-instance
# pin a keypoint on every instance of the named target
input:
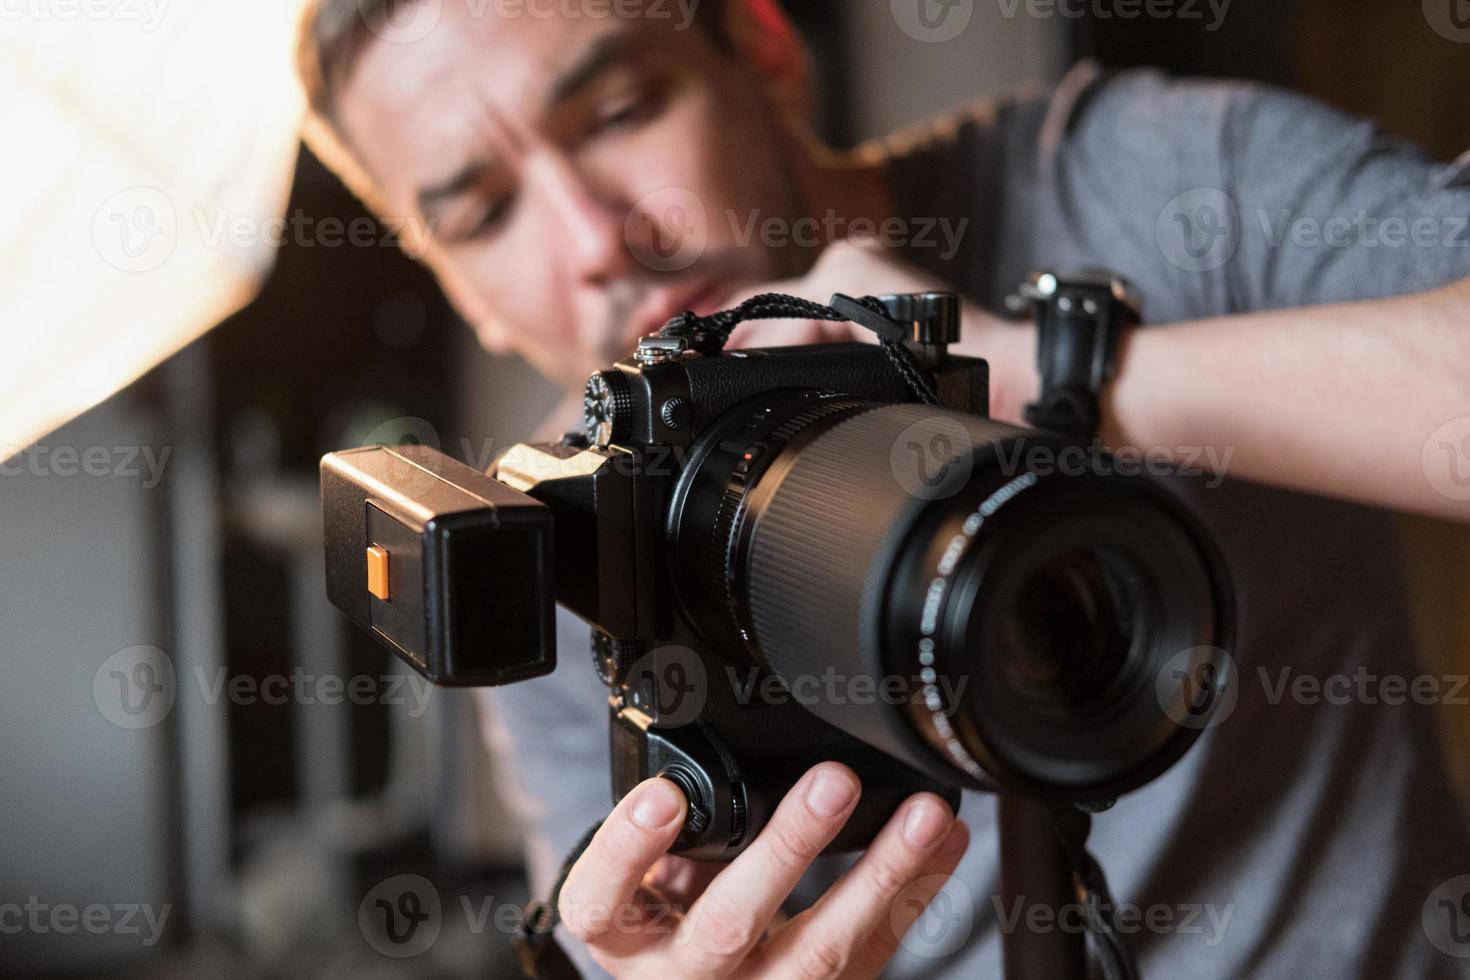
(187, 728)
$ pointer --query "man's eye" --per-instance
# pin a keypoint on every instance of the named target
(490, 219)
(627, 111)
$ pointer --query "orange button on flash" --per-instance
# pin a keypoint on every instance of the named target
(377, 572)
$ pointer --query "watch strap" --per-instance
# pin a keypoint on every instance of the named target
(1080, 322)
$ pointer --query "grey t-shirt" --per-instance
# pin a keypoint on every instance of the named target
(1302, 836)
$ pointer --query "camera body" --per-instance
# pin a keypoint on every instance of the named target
(690, 698)
(781, 557)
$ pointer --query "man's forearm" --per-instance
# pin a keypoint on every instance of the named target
(1338, 400)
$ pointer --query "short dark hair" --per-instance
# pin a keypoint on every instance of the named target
(334, 34)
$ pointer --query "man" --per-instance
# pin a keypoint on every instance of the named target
(556, 159)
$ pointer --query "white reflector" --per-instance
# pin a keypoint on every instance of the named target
(149, 151)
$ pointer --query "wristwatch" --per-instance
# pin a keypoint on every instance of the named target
(1080, 320)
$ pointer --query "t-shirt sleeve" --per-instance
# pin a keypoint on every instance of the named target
(1232, 197)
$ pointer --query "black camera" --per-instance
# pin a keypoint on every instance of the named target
(785, 558)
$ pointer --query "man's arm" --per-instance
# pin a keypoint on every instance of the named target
(1367, 400)
(1355, 400)
(1341, 250)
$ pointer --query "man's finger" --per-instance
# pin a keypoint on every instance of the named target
(833, 938)
(737, 907)
(914, 901)
(681, 879)
(598, 902)
(788, 333)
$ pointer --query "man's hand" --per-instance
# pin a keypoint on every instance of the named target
(861, 268)
(644, 913)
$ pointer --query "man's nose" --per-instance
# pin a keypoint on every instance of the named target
(590, 223)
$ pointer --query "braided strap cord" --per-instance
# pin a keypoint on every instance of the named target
(541, 956)
(1114, 955)
(709, 334)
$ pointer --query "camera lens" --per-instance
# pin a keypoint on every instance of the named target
(1020, 615)
(1068, 634)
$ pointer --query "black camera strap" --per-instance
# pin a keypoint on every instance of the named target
(709, 334)
(541, 956)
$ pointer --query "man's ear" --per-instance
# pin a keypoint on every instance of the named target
(765, 39)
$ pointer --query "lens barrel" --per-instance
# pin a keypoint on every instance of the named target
(990, 604)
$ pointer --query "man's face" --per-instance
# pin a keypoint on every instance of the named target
(584, 178)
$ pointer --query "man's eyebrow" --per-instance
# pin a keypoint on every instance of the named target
(455, 185)
(602, 54)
